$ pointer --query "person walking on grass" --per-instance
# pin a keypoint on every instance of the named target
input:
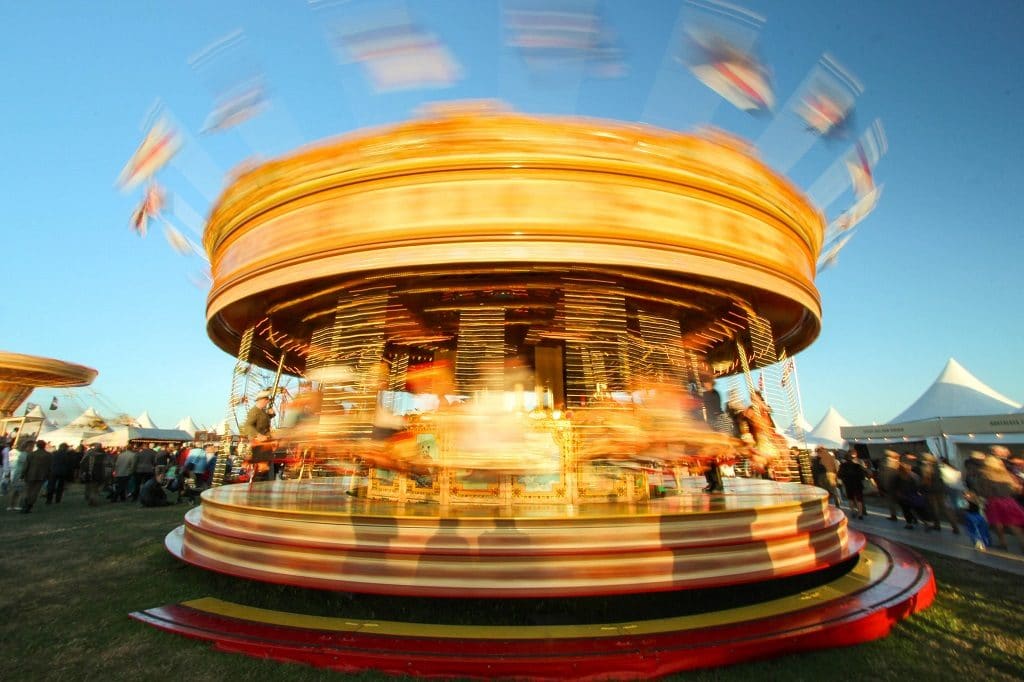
(852, 474)
(998, 486)
(15, 473)
(93, 473)
(934, 487)
(887, 476)
(37, 471)
(16, 459)
(60, 472)
(907, 488)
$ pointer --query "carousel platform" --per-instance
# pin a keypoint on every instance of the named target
(312, 534)
(885, 584)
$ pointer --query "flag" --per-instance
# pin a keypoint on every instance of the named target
(787, 370)
(160, 144)
(829, 258)
(563, 34)
(399, 55)
(860, 210)
(736, 75)
(236, 107)
(53, 403)
(826, 107)
(823, 113)
(861, 172)
(151, 206)
(178, 241)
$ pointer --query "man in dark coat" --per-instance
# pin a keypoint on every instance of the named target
(94, 473)
(60, 470)
(145, 465)
(152, 493)
(36, 472)
(257, 429)
(852, 474)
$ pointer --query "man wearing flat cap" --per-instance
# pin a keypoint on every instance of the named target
(257, 421)
(257, 428)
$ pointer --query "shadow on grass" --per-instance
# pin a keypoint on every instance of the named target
(73, 573)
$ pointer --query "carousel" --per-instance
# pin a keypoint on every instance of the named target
(499, 324)
(21, 374)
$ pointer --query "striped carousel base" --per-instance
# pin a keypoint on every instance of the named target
(311, 534)
(886, 584)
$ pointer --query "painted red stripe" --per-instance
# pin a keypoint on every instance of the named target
(907, 587)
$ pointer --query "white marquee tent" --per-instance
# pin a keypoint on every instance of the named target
(956, 414)
(83, 427)
(143, 421)
(186, 424)
(828, 430)
(956, 393)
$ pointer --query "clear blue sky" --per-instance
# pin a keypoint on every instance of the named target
(931, 274)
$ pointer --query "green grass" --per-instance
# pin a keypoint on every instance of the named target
(71, 574)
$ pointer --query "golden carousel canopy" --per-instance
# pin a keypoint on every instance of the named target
(476, 206)
(20, 374)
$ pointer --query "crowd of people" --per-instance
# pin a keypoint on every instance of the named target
(986, 494)
(149, 474)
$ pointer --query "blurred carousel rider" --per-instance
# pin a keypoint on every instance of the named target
(60, 471)
(257, 421)
(37, 471)
(257, 429)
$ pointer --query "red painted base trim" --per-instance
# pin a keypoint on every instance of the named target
(906, 587)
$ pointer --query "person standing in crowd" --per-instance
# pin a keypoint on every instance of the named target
(77, 455)
(5, 472)
(60, 471)
(145, 466)
(998, 486)
(37, 471)
(852, 475)
(934, 487)
(16, 469)
(5, 466)
(93, 473)
(163, 457)
(124, 469)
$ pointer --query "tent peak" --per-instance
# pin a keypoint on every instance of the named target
(956, 393)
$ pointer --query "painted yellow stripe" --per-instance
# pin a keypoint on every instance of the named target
(871, 567)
